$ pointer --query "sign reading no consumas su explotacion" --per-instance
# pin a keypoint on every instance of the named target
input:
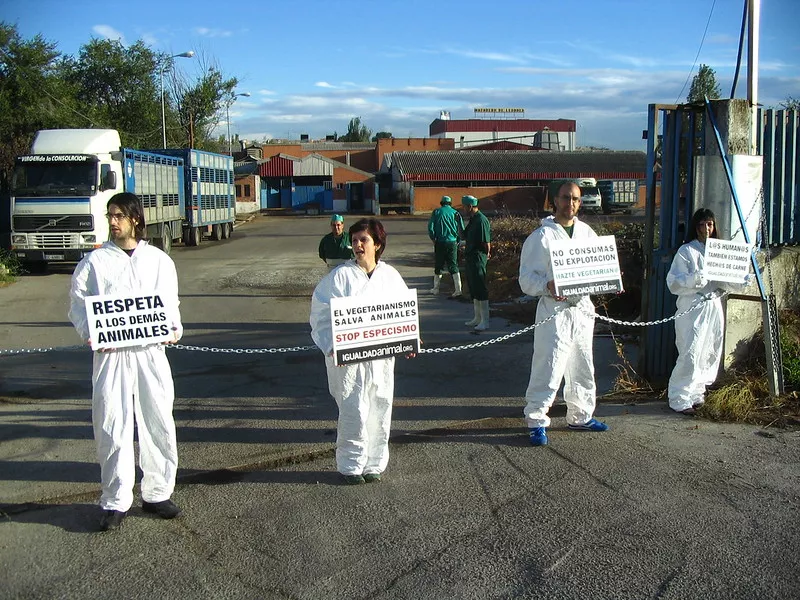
(117, 321)
(370, 327)
(726, 261)
(586, 266)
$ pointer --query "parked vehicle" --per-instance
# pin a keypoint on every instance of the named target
(619, 195)
(60, 191)
(210, 194)
(590, 199)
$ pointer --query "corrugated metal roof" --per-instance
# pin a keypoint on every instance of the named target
(439, 126)
(516, 165)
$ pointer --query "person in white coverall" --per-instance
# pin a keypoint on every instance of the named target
(699, 333)
(363, 391)
(134, 383)
(562, 347)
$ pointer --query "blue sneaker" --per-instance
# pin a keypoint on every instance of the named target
(590, 425)
(538, 436)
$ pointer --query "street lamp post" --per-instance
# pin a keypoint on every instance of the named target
(188, 54)
(228, 117)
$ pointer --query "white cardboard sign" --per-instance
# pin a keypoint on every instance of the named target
(368, 327)
(117, 321)
(588, 266)
(726, 261)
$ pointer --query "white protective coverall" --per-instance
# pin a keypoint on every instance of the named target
(562, 347)
(698, 334)
(363, 391)
(133, 382)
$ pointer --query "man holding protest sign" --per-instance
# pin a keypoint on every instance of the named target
(363, 390)
(131, 377)
(698, 333)
(562, 346)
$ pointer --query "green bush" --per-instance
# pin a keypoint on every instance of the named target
(10, 267)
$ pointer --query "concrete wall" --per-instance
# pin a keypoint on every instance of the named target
(744, 315)
(490, 199)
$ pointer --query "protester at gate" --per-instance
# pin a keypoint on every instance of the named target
(478, 248)
(134, 384)
(363, 391)
(562, 344)
(445, 228)
(335, 248)
(699, 332)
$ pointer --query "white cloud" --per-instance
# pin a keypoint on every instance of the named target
(150, 39)
(324, 84)
(109, 33)
(213, 33)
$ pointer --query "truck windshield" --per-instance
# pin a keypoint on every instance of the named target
(55, 178)
(590, 191)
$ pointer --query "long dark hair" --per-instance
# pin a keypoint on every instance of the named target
(701, 214)
(130, 206)
(375, 230)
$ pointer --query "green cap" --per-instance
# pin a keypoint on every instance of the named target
(446, 200)
(469, 201)
(337, 219)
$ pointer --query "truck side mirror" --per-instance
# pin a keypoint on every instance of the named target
(110, 181)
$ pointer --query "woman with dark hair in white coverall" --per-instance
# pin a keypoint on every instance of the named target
(363, 391)
(699, 333)
(133, 383)
(562, 347)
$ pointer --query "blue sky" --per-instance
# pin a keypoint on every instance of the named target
(310, 66)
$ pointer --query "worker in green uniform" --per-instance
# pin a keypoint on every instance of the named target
(478, 248)
(445, 228)
(335, 248)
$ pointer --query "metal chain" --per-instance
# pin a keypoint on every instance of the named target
(13, 351)
(719, 293)
(243, 350)
(695, 305)
(502, 338)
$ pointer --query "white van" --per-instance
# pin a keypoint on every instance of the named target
(590, 199)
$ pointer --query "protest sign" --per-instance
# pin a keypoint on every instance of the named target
(117, 321)
(587, 266)
(726, 261)
(370, 327)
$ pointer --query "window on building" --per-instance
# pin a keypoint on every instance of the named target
(339, 186)
(247, 190)
(239, 190)
(327, 184)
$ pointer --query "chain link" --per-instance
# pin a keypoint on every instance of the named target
(243, 350)
(14, 351)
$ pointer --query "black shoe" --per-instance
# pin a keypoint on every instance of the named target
(166, 509)
(372, 477)
(111, 519)
(353, 479)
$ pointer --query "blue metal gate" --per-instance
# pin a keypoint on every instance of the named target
(675, 138)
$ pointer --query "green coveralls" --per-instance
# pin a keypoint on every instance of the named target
(476, 234)
(444, 229)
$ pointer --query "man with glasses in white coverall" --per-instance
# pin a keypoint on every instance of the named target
(562, 347)
(134, 383)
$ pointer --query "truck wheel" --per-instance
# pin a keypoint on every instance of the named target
(164, 242)
(216, 232)
(194, 236)
(226, 231)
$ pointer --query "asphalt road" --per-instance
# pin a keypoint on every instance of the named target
(661, 506)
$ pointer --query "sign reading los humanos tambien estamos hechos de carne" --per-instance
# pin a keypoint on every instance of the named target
(587, 266)
(370, 327)
(726, 261)
(121, 321)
